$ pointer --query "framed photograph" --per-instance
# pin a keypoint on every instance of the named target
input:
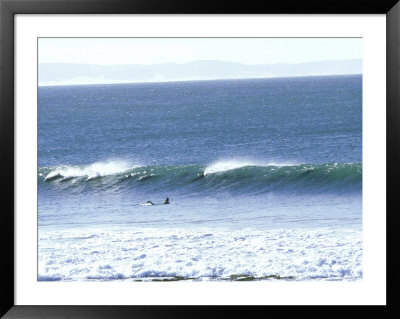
(190, 154)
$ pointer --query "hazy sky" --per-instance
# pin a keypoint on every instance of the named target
(111, 51)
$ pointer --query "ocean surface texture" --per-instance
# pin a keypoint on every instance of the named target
(264, 179)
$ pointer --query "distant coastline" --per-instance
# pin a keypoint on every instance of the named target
(62, 74)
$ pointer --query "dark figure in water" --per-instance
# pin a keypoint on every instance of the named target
(165, 202)
(199, 176)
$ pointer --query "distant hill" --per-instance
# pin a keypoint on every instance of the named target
(65, 73)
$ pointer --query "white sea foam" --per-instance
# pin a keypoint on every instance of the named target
(91, 171)
(131, 254)
(226, 165)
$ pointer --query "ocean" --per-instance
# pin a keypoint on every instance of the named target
(264, 179)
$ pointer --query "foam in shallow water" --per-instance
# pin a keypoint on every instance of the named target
(147, 253)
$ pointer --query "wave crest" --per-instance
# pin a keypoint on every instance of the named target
(222, 166)
(227, 165)
(95, 170)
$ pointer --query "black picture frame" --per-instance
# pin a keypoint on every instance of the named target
(8, 8)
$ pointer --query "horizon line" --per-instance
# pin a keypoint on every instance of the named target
(201, 80)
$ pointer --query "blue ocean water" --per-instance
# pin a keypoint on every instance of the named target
(233, 156)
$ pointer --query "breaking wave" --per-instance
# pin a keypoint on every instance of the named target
(232, 176)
